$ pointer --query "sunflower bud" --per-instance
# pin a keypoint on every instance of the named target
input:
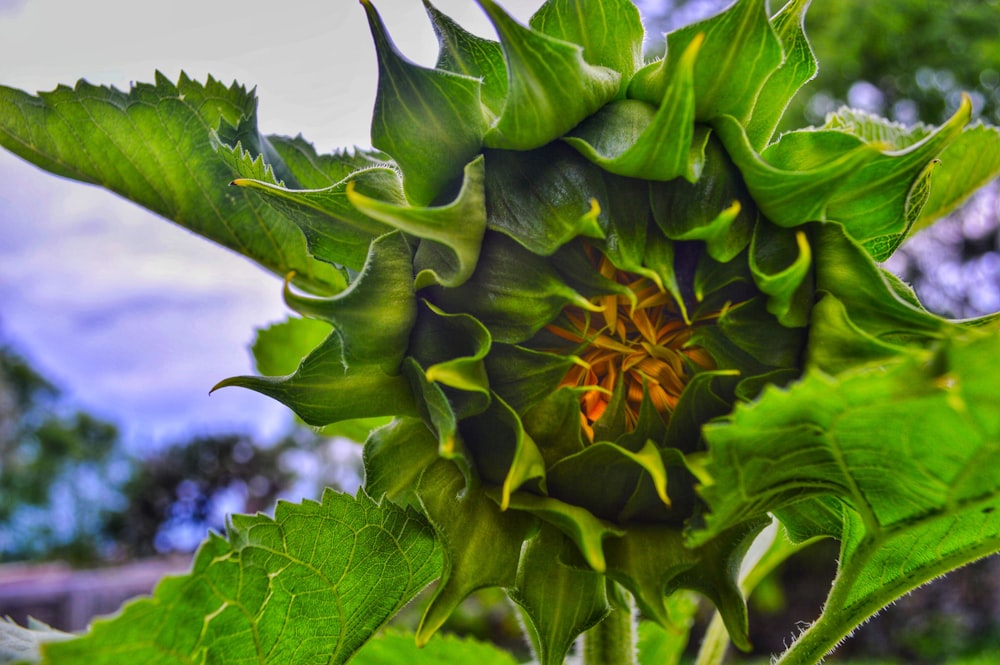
(576, 261)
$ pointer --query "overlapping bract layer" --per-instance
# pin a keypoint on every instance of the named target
(468, 265)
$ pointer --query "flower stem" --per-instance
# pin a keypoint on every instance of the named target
(613, 640)
(715, 644)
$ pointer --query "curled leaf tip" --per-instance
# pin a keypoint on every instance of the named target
(225, 383)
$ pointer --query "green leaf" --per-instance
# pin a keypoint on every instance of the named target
(966, 165)
(739, 53)
(544, 198)
(797, 68)
(452, 233)
(872, 128)
(560, 601)
(312, 170)
(717, 209)
(467, 54)
(282, 590)
(610, 31)
(665, 646)
(154, 145)
(395, 647)
(632, 138)
(481, 544)
(780, 261)
(919, 496)
(336, 231)
(431, 121)
(832, 175)
(550, 88)
(513, 292)
(278, 349)
(371, 334)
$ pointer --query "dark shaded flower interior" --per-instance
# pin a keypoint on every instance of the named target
(639, 341)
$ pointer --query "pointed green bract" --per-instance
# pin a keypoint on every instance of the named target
(353, 374)
(797, 68)
(452, 232)
(628, 138)
(653, 562)
(610, 31)
(336, 231)
(619, 469)
(780, 262)
(559, 601)
(513, 292)
(463, 53)
(715, 208)
(395, 456)
(241, 590)
(450, 364)
(970, 162)
(323, 390)
(544, 198)
(367, 331)
(550, 86)
(430, 120)
(481, 545)
(739, 53)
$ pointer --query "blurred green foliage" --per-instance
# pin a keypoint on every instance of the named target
(54, 460)
(917, 56)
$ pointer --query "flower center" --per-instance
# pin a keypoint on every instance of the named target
(639, 344)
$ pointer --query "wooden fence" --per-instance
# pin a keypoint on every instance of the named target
(68, 599)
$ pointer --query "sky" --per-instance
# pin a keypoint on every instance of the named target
(134, 317)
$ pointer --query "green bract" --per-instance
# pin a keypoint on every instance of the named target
(600, 322)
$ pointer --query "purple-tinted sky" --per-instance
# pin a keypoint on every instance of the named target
(133, 316)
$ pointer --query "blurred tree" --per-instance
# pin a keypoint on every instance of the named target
(59, 468)
(177, 494)
(908, 60)
(68, 489)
